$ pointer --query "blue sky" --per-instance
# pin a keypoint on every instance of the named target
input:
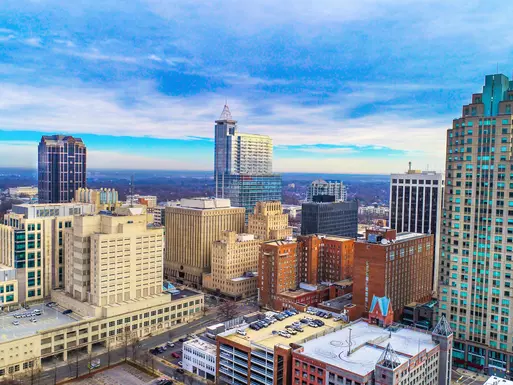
(341, 86)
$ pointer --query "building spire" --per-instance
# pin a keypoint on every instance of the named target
(226, 114)
(389, 358)
(442, 328)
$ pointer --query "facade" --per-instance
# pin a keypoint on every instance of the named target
(367, 354)
(416, 199)
(277, 270)
(234, 266)
(332, 218)
(199, 357)
(243, 165)
(31, 242)
(374, 210)
(323, 258)
(103, 198)
(327, 187)
(61, 168)
(191, 230)
(113, 259)
(397, 266)
(8, 287)
(476, 242)
(159, 216)
(269, 222)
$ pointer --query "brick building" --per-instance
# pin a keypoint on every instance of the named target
(324, 258)
(398, 266)
(277, 270)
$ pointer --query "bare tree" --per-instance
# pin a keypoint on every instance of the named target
(227, 310)
(126, 340)
(35, 373)
(55, 370)
(76, 364)
(90, 361)
(135, 344)
(108, 345)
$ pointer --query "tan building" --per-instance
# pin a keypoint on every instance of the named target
(269, 222)
(234, 265)
(112, 259)
(31, 239)
(103, 198)
(191, 230)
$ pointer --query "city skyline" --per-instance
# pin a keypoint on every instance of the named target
(141, 84)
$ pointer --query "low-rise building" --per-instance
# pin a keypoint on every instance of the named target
(199, 357)
(148, 200)
(103, 198)
(22, 192)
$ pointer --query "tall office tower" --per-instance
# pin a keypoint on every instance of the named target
(416, 199)
(191, 230)
(234, 265)
(331, 218)
(61, 168)
(324, 258)
(269, 222)
(327, 187)
(243, 165)
(476, 240)
(397, 266)
(31, 242)
(113, 259)
(277, 270)
(103, 198)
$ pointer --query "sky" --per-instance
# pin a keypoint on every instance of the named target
(341, 86)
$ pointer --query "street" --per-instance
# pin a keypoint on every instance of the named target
(64, 370)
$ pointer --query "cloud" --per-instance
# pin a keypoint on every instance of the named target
(95, 55)
(33, 42)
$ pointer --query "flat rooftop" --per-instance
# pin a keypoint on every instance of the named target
(202, 344)
(497, 381)
(265, 337)
(49, 319)
(184, 294)
(367, 344)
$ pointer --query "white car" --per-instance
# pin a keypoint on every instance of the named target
(33, 320)
(170, 344)
(180, 363)
(241, 332)
(15, 323)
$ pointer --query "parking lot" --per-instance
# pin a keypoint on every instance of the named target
(49, 318)
(168, 353)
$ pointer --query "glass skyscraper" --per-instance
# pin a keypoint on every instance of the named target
(243, 165)
(476, 256)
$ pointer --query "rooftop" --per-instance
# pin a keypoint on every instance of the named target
(497, 381)
(205, 203)
(49, 319)
(202, 344)
(265, 337)
(367, 345)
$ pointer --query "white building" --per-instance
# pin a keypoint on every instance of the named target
(374, 210)
(136, 198)
(199, 357)
(28, 191)
(497, 381)
(327, 187)
(416, 200)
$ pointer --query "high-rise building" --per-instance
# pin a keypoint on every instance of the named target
(476, 256)
(277, 270)
(243, 165)
(61, 168)
(31, 242)
(269, 222)
(416, 199)
(324, 258)
(113, 259)
(103, 198)
(327, 187)
(397, 266)
(234, 266)
(191, 229)
(331, 218)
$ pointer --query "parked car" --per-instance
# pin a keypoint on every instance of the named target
(284, 334)
(175, 355)
(15, 323)
(298, 328)
(304, 321)
(51, 304)
(313, 324)
(170, 344)
(319, 322)
(154, 351)
(33, 320)
(241, 332)
(180, 363)
(180, 370)
(291, 331)
(67, 311)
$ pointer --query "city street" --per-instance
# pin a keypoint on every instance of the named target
(69, 369)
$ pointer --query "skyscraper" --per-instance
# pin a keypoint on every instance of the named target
(476, 257)
(327, 187)
(416, 199)
(243, 165)
(61, 168)
(331, 218)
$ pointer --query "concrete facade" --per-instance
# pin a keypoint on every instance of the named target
(269, 222)
(191, 230)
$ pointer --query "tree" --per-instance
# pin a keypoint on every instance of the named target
(89, 361)
(35, 373)
(227, 310)
(135, 344)
(76, 364)
(108, 345)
